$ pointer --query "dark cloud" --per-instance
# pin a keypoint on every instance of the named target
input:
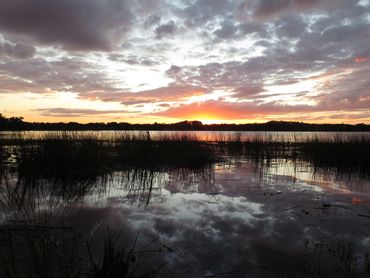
(247, 91)
(152, 20)
(203, 11)
(293, 26)
(173, 93)
(268, 8)
(80, 25)
(18, 50)
(168, 29)
(38, 75)
(173, 71)
(135, 60)
(76, 112)
(226, 31)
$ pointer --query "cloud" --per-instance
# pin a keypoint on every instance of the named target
(76, 112)
(18, 50)
(68, 74)
(76, 25)
(164, 94)
(203, 11)
(268, 8)
(246, 91)
(135, 60)
(166, 30)
(152, 20)
(227, 30)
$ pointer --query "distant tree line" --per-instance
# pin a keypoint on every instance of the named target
(17, 123)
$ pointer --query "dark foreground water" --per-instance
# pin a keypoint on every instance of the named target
(230, 219)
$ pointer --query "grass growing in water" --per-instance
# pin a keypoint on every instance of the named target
(75, 155)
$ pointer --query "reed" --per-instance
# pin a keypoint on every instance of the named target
(76, 155)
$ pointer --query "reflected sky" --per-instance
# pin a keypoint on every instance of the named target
(230, 219)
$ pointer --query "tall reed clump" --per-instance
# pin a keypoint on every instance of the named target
(164, 152)
(72, 157)
(340, 152)
(259, 148)
(2, 160)
(63, 154)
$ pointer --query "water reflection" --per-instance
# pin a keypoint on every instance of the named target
(246, 227)
(239, 218)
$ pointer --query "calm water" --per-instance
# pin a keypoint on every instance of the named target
(230, 219)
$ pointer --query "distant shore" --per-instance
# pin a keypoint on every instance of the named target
(17, 124)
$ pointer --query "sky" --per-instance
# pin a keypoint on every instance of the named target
(217, 61)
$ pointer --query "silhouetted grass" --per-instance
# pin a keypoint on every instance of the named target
(40, 238)
(82, 156)
(67, 154)
(33, 250)
(338, 152)
(121, 262)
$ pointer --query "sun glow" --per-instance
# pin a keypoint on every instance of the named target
(206, 118)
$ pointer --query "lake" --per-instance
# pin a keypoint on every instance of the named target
(278, 215)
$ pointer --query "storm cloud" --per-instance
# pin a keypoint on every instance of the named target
(79, 25)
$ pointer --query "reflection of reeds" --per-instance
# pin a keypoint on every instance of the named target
(39, 237)
(37, 250)
(121, 263)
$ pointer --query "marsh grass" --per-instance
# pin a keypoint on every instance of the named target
(339, 152)
(88, 155)
(71, 155)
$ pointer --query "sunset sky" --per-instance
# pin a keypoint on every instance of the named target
(166, 61)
